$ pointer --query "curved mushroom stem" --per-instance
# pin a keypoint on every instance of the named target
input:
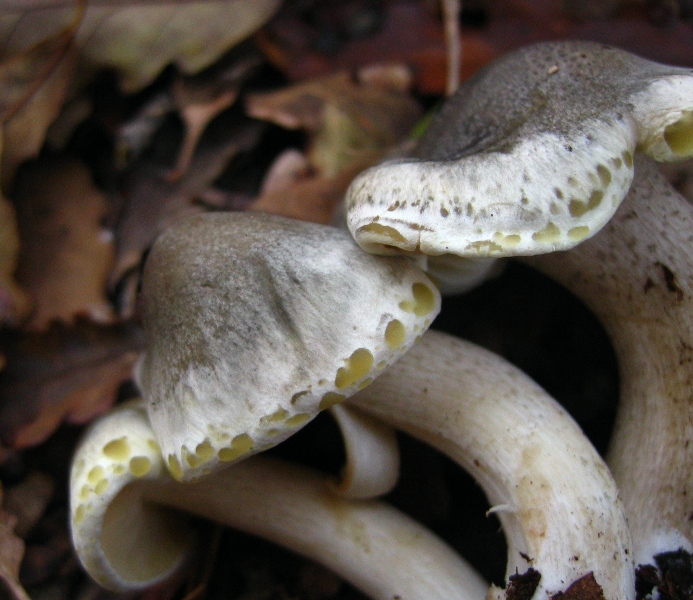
(372, 454)
(128, 540)
(553, 494)
(637, 277)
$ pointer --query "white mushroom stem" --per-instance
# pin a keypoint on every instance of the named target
(128, 540)
(637, 277)
(372, 454)
(553, 494)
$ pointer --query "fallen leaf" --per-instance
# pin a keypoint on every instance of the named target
(152, 201)
(139, 40)
(28, 499)
(63, 374)
(11, 555)
(308, 198)
(410, 35)
(201, 98)
(347, 118)
(14, 301)
(33, 86)
(65, 253)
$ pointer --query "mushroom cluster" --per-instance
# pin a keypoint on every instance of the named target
(257, 323)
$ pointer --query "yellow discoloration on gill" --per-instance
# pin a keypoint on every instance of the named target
(204, 451)
(578, 208)
(330, 399)
(358, 365)
(95, 474)
(278, 415)
(577, 234)
(679, 135)
(485, 247)
(298, 420)
(240, 445)
(604, 175)
(174, 467)
(140, 466)
(506, 241)
(395, 334)
(117, 449)
(549, 235)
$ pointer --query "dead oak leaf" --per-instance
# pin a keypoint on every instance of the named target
(347, 117)
(138, 40)
(152, 201)
(33, 86)
(11, 555)
(63, 374)
(199, 99)
(65, 253)
(300, 194)
(14, 301)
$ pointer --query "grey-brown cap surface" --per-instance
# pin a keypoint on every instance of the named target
(533, 154)
(255, 323)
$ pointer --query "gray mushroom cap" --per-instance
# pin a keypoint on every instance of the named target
(255, 323)
(531, 155)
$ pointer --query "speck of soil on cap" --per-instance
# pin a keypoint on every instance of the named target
(672, 578)
(585, 588)
(522, 586)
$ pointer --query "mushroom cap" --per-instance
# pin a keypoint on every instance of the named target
(255, 323)
(531, 155)
(123, 543)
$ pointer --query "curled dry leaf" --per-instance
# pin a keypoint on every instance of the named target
(410, 34)
(33, 86)
(139, 40)
(153, 201)
(11, 555)
(65, 253)
(14, 301)
(199, 99)
(306, 196)
(348, 119)
(28, 500)
(66, 373)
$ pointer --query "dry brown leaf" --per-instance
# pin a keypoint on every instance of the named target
(33, 87)
(65, 253)
(14, 301)
(139, 40)
(308, 198)
(410, 34)
(348, 119)
(64, 374)
(152, 201)
(200, 99)
(28, 499)
(11, 555)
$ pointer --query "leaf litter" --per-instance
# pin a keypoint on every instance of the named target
(328, 89)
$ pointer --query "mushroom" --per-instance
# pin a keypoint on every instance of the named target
(532, 155)
(555, 497)
(255, 323)
(127, 537)
(637, 277)
(372, 454)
